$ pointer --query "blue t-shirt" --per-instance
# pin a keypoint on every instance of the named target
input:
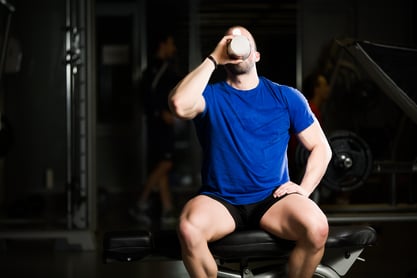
(244, 137)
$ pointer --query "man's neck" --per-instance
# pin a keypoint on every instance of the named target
(244, 81)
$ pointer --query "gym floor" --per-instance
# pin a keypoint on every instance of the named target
(394, 255)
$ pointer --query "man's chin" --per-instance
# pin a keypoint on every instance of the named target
(236, 69)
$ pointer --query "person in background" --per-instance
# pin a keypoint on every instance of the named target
(317, 90)
(158, 79)
(244, 124)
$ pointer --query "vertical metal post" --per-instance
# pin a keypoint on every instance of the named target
(6, 39)
(68, 70)
(194, 57)
(89, 74)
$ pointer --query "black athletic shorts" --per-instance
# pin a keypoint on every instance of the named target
(248, 216)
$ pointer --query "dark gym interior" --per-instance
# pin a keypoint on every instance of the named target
(72, 144)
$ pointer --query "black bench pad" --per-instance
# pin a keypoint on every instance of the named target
(127, 245)
(351, 236)
(248, 244)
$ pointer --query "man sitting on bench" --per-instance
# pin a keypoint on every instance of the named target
(244, 125)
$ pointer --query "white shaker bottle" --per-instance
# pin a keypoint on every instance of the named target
(239, 47)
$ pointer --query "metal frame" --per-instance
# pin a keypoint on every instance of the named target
(80, 103)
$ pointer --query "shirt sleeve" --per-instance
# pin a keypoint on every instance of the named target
(300, 112)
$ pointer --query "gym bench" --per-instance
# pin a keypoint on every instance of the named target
(245, 253)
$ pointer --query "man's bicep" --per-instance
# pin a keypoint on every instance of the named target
(311, 136)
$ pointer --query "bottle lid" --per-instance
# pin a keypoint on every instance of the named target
(239, 47)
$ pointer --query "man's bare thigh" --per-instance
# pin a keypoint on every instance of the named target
(290, 215)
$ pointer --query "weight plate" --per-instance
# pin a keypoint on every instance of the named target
(351, 162)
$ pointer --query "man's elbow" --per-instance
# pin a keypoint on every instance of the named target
(177, 108)
(327, 153)
(174, 107)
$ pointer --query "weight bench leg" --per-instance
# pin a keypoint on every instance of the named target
(325, 271)
(227, 273)
(244, 271)
(273, 269)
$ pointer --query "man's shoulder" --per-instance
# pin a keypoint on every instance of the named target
(275, 85)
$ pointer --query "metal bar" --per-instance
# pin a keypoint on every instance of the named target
(68, 110)
(371, 218)
(385, 83)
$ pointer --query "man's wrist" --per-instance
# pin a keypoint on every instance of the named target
(211, 58)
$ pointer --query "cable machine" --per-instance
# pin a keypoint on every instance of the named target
(80, 120)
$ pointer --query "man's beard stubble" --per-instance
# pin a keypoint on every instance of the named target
(238, 69)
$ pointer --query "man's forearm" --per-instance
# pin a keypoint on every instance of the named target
(316, 167)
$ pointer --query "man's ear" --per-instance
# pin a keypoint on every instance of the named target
(257, 56)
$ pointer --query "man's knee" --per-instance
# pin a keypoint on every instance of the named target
(185, 231)
(318, 232)
(188, 234)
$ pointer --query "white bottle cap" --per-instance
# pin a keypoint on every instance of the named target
(239, 47)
